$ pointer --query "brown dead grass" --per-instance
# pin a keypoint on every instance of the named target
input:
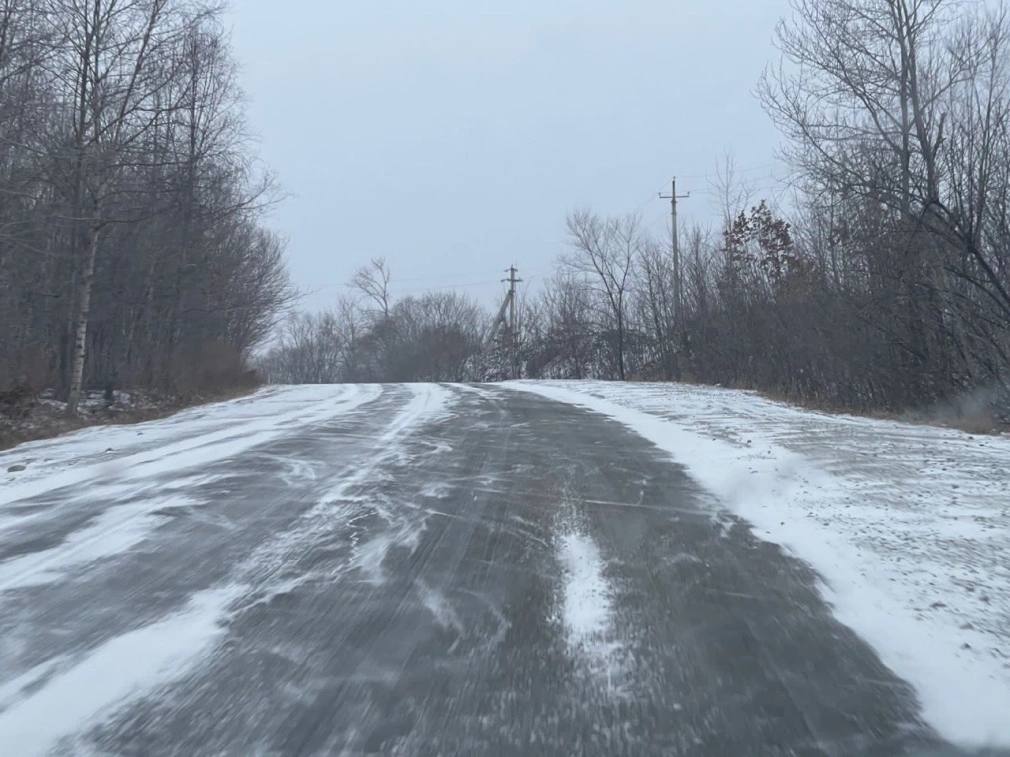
(42, 423)
(978, 421)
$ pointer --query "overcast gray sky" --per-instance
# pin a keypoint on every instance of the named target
(452, 136)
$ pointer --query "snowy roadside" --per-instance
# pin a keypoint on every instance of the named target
(43, 417)
(909, 526)
(193, 437)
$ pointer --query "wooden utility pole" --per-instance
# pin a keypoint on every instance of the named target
(513, 325)
(678, 269)
(505, 328)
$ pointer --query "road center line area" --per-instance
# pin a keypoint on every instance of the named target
(413, 569)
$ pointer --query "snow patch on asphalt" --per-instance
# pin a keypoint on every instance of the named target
(348, 501)
(909, 526)
(111, 533)
(586, 608)
(111, 464)
(428, 403)
(436, 490)
(126, 666)
(369, 556)
(435, 602)
(587, 596)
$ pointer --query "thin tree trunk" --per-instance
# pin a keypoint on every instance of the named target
(81, 327)
(620, 346)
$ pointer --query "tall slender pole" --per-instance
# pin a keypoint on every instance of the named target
(678, 269)
(513, 325)
(677, 286)
(512, 299)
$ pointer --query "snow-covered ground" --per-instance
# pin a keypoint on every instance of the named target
(130, 474)
(46, 416)
(193, 437)
(308, 491)
(908, 526)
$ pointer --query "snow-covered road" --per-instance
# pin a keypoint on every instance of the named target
(472, 569)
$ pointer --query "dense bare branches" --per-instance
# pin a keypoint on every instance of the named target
(129, 239)
(897, 114)
(604, 251)
(373, 282)
(434, 337)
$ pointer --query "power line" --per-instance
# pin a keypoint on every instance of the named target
(735, 170)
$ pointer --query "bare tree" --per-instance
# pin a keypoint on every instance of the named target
(129, 240)
(113, 60)
(902, 104)
(311, 350)
(605, 251)
(569, 325)
(655, 298)
(373, 282)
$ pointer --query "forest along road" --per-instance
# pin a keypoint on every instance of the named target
(417, 569)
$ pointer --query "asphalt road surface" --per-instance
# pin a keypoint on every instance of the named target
(437, 570)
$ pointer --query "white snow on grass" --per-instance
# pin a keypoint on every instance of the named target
(909, 526)
(64, 702)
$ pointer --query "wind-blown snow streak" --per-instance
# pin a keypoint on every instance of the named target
(124, 667)
(63, 696)
(121, 527)
(114, 531)
(856, 526)
(428, 403)
(586, 609)
(342, 504)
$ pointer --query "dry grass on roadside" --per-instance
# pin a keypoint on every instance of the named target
(47, 417)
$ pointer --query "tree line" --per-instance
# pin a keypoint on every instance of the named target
(132, 251)
(883, 283)
(370, 336)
